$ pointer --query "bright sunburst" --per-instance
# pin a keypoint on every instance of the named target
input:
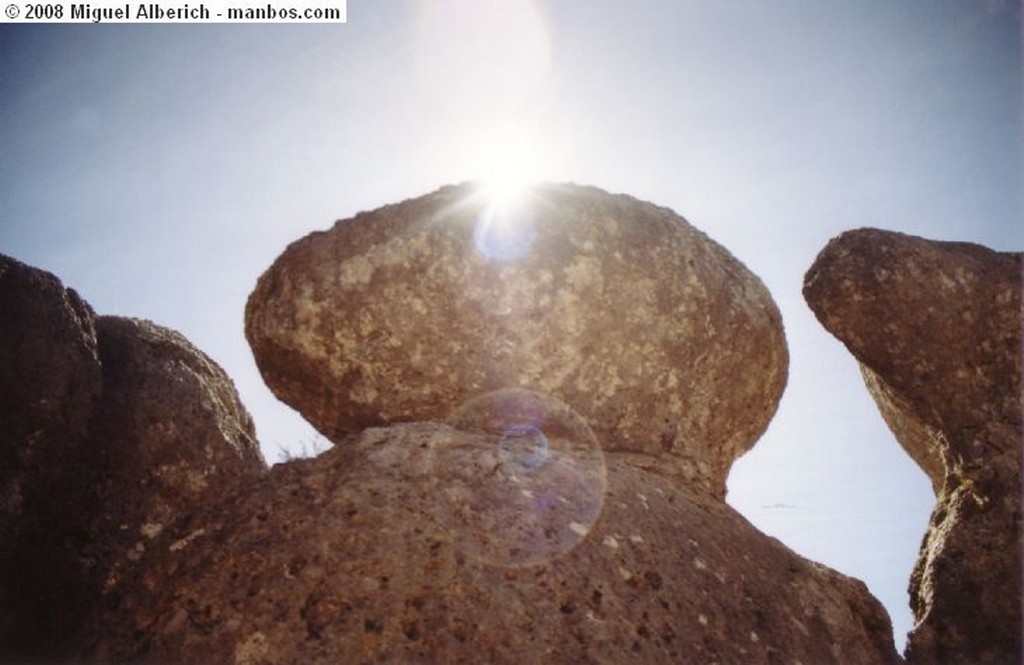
(505, 228)
(505, 175)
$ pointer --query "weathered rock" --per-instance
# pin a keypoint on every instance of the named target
(170, 430)
(653, 333)
(936, 327)
(415, 544)
(49, 384)
(111, 429)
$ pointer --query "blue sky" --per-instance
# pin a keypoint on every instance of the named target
(160, 169)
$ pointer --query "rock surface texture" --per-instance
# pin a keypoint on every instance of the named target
(936, 327)
(50, 382)
(112, 429)
(614, 306)
(170, 429)
(367, 554)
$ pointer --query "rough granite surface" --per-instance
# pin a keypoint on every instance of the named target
(661, 340)
(49, 384)
(169, 430)
(414, 544)
(936, 327)
(111, 429)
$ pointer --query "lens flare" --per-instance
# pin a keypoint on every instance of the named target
(529, 487)
(523, 448)
(505, 228)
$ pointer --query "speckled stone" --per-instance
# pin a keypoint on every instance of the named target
(366, 555)
(170, 431)
(662, 341)
(49, 384)
(111, 429)
(936, 327)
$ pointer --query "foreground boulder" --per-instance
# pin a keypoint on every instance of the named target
(421, 543)
(50, 382)
(936, 327)
(112, 429)
(651, 331)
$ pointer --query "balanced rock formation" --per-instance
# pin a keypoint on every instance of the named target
(421, 543)
(50, 382)
(560, 386)
(652, 332)
(112, 429)
(578, 371)
(936, 327)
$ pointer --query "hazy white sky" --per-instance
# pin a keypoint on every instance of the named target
(160, 169)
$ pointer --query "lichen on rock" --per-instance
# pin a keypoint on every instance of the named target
(661, 340)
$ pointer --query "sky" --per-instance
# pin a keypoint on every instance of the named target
(159, 170)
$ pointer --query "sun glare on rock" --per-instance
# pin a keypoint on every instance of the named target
(505, 192)
(504, 167)
(505, 228)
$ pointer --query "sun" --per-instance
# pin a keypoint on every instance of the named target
(505, 180)
(504, 194)
(504, 229)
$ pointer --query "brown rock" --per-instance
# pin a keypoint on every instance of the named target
(112, 428)
(49, 384)
(170, 431)
(653, 333)
(419, 543)
(936, 327)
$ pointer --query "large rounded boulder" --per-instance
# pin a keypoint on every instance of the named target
(654, 334)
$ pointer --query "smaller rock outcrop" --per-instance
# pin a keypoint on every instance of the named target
(169, 429)
(112, 429)
(50, 382)
(936, 327)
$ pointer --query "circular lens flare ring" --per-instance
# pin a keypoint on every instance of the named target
(531, 487)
